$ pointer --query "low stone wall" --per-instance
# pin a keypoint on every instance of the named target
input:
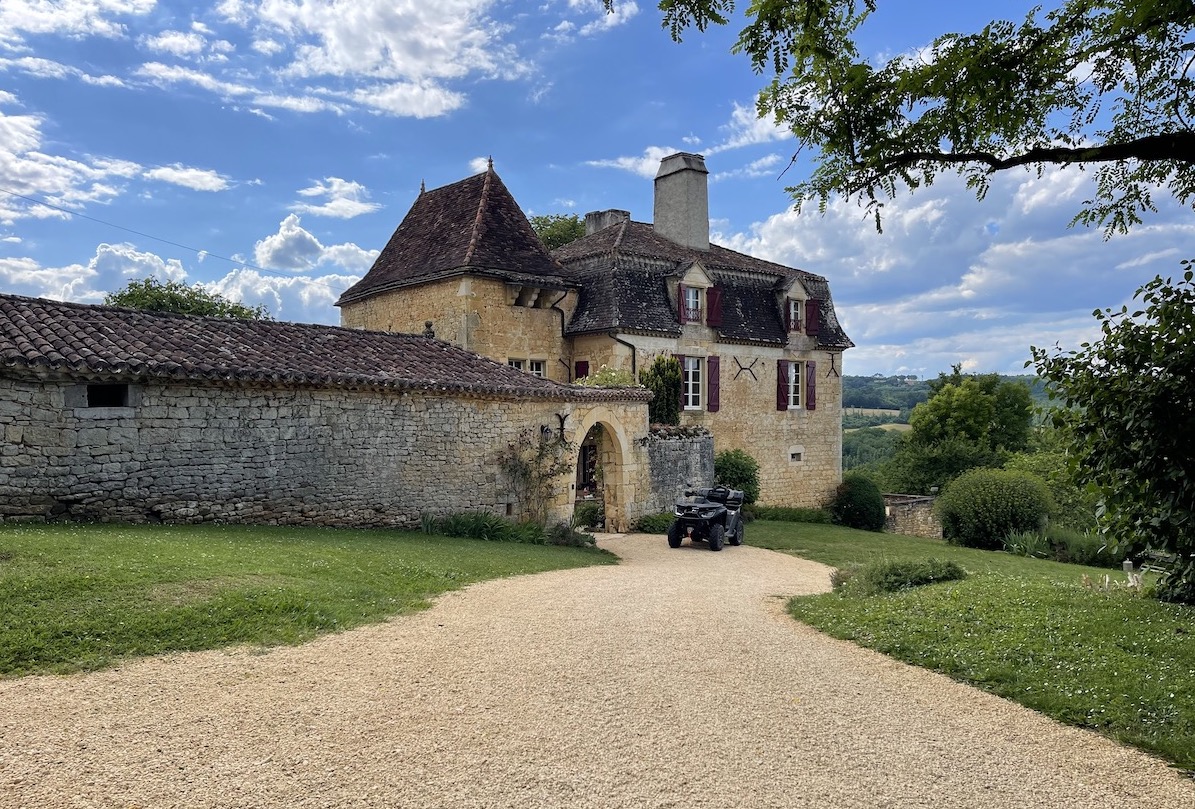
(335, 457)
(911, 515)
(674, 463)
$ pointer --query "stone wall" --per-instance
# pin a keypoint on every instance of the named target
(282, 456)
(799, 451)
(675, 463)
(911, 515)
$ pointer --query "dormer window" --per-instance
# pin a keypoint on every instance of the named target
(690, 305)
(792, 313)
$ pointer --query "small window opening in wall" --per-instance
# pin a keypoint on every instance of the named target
(107, 395)
(510, 509)
(796, 456)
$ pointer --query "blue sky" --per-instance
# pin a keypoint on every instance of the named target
(269, 149)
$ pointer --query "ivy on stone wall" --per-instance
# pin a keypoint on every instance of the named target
(533, 462)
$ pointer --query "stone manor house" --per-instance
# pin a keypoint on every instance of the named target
(465, 333)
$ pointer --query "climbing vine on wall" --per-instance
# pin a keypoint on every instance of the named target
(533, 462)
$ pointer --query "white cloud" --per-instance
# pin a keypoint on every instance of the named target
(298, 299)
(767, 166)
(72, 18)
(645, 166)
(294, 248)
(110, 269)
(416, 100)
(49, 69)
(178, 43)
(479, 164)
(343, 199)
(60, 181)
(953, 279)
(746, 128)
(622, 12)
(195, 179)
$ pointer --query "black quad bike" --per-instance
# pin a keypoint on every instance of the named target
(710, 515)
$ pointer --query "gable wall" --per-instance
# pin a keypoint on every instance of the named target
(476, 314)
(323, 457)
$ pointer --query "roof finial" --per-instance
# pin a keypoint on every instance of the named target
(422, 186)
(490, 163)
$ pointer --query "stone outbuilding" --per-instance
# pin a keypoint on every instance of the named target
(117, 414)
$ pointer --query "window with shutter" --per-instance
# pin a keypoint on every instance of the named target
(690, 303)
(813, 317)
(792, 385)
(792, 314)
(713, 318)
(713, 368)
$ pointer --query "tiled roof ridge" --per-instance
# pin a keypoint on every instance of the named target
(482, 206)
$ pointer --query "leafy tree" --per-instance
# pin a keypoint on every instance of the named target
(868, 446)
(1130, 414)
(663, 378)
(1101, 83)
(557, 229)
(153, 295)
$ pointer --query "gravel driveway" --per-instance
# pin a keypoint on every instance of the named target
(673, 679)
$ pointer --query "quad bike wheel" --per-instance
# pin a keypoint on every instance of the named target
(737, 537)
(674, 535)
(717, 534)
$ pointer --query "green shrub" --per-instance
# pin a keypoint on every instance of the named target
(663, 378)
(564, 534)
(738, 470)
(589, 515)
(1028, 543)
(655, 523)
(787, 514)
(858, 504)
(606, 377)
(894, 576)
(1083, 548)
(485, 525)
(983, 506)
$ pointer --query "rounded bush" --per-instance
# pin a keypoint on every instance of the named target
(858, 504)
(738, 470)
(983, 506)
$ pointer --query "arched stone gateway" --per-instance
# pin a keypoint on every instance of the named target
(612, 465)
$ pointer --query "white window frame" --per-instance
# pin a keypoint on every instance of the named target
(538, 367)
(693, 305)
(691, 380)
(518, 365)
(796, 385)
(796, 313)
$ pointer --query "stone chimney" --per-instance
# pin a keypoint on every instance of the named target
(600, 220)
(682, 210)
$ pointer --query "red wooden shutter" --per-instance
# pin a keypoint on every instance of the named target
(681, 359)
(781, 385)
(713, 387)
(582, 369)
(811, 385)
(813, 317)
(680, 303)
(714, 302)
(788, 314)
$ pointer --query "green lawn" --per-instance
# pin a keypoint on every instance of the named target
(81, 597)
(1025, 629)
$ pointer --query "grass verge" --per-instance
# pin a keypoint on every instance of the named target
(1025, 629)
(82, 597)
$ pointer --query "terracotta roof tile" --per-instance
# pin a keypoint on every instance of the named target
(104, 342)
(473, 225)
